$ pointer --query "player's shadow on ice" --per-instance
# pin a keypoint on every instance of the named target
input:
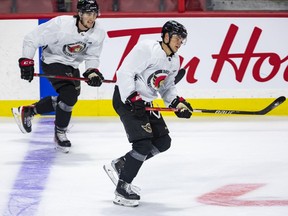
(144, 209)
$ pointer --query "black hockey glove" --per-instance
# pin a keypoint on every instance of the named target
(94, 76)
(185, 109)
(137, 104)
(26, 68)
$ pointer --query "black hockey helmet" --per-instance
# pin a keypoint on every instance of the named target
(173, 27)
(87, 6)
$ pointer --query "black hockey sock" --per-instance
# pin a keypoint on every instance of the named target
(131, 168)
(149, 156)
(62, 118)
(45, 105)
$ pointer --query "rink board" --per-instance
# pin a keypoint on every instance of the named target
(104, 107)
(231, 62)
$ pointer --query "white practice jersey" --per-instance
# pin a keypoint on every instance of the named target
(149, 71)
(62, 43)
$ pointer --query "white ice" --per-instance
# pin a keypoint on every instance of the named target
(207, 154)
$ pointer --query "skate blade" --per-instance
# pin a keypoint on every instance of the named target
(62, 149)
(110, 172)
(125, 202)
(17, 117)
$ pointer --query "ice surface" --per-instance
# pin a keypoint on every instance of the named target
(211, 161)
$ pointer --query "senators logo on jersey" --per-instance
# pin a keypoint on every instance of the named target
(75, 48)
(157, 79)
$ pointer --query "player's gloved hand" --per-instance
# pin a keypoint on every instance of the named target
(95, 77)
(136, 103)
(185, 109)
(26, 68)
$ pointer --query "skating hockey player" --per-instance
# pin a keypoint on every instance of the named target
(148, 70)
(66, 42)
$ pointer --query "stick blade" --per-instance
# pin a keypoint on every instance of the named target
(278, 101)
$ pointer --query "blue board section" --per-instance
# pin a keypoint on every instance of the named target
(46, 88)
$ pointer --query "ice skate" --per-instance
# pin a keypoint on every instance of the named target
(61, 141)
(23, 116)
(118, 165)
(125, 196)
(113, 171)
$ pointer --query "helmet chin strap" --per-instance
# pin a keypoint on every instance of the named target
(168, 45)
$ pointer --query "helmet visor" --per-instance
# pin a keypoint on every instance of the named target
(182, 38)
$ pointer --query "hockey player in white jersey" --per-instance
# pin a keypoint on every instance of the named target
(66, 42)
(148, 70)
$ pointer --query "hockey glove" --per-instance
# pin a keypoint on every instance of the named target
(137, 104)
(94, 76)
(26, 68)
(184, 108)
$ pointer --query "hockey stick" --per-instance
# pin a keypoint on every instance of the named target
(68, 78)
(178, 77)
(264, 111)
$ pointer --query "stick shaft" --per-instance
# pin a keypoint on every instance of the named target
(264, 111)
(161, 109)
(68, 78)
